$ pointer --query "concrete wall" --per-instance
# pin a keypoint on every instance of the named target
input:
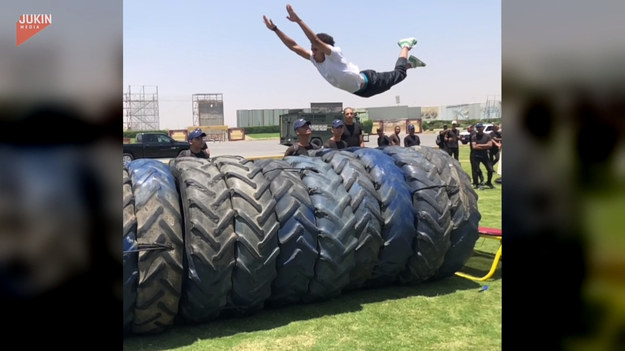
(393, 113)
(491, 109)
(255, 118)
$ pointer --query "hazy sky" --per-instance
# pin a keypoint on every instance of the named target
(197, 47)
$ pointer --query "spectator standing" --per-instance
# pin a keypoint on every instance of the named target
(493, 153)
(304, 133)
(335, 142)
(451, 140)
(440, 138)
(352, 133)
(411, 139)
(481, 143)
(197, 145)
(383, 140)
(395, 140)
(480, 175)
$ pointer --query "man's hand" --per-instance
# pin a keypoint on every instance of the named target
(269, 23)
(286, 40)
(293, 17)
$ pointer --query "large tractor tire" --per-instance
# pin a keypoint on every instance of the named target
(227, 236)
(365, 203)
(209, 238)
(159, 241)
(130, 255)
(256, 226)
(430, 199)
(464, 215)
(399, 229)
(297, 235)
(335, 220)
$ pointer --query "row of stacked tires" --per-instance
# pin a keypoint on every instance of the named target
(229, 236)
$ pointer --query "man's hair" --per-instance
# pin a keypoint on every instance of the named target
(348, 108)
(326, 38)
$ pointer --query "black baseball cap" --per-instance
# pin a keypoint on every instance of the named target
(337, 123)
(300, 123)
(196, 134)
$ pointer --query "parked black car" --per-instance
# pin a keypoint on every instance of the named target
(153, 145)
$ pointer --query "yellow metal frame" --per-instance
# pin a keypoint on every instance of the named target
(493, 267)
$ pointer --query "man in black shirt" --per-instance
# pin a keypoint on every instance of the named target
(335, 142)
(481, 143)
(440, 138)
(395, 140)
(451, 140)
(494, 151)
(383, 140)
(303, 131)
(352, 132)
(197, 145)
(411, 139)
(480, 175)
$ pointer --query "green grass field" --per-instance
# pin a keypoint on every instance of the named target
(451, 314)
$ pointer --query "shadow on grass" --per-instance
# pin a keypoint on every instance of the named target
(270, 318)
(480, 263)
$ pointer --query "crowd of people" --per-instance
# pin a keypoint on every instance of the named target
(484, 150)
(346, 132)
(484, 147)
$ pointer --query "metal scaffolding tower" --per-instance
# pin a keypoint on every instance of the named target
(492, 108)
(208, 110)
(141, 108)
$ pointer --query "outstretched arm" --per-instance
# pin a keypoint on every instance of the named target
(288, 42)
(293, 17)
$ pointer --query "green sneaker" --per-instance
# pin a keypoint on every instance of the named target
(407, 43)
(414, 62)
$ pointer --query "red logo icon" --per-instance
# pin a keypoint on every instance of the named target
(29, 25)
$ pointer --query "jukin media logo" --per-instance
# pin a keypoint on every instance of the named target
(29, 25)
